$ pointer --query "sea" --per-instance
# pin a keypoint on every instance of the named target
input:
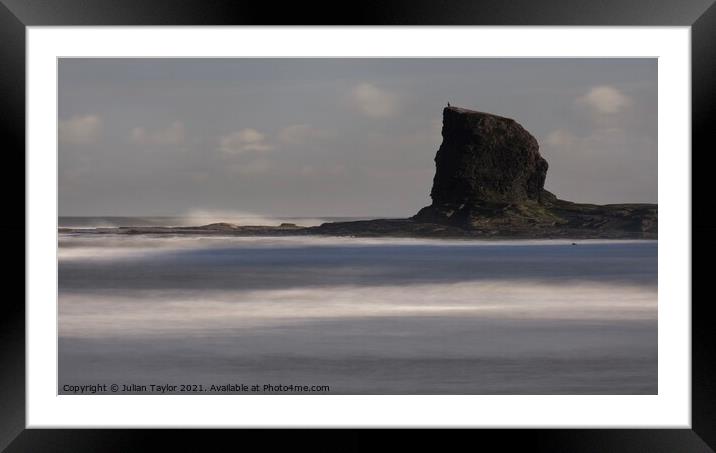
(177, 314)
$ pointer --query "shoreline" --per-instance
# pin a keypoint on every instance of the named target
(379, 228)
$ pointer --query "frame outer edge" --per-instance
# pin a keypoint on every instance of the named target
(703, 108)
(12, 314)
(12, 125)
(367, 12)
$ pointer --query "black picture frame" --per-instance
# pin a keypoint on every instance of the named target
(700, 15)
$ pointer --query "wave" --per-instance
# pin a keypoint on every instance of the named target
(152, 312)
(195, 217)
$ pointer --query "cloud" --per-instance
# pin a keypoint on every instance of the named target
(301, 134)
(174, 134)
(374, 102)
(243, 141)
(604, 99)
(80, 129)
(560, 138)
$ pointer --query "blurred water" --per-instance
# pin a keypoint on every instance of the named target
(369, 316)
(195, 218)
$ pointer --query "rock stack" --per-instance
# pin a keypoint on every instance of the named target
(489, 178)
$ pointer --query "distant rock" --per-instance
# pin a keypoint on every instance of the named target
(484, 164)
(489, 179)
(219, 226)
(486, 158)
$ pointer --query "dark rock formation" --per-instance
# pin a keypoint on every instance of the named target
(486, 158)
(490, 177)
(486, 163)
(220, 226)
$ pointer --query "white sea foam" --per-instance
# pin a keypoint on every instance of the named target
(153, 312)
(203, 217)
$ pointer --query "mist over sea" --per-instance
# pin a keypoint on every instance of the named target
(194, 218)
(363, 316)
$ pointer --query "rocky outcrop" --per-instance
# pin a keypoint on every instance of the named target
(486, 158)
(485, 164)
(489, 179)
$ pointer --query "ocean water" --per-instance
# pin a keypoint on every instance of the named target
(195, 218)
(361, 316)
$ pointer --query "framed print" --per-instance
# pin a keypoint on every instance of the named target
(412, 217)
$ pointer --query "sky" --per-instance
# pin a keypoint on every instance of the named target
(335, 137)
